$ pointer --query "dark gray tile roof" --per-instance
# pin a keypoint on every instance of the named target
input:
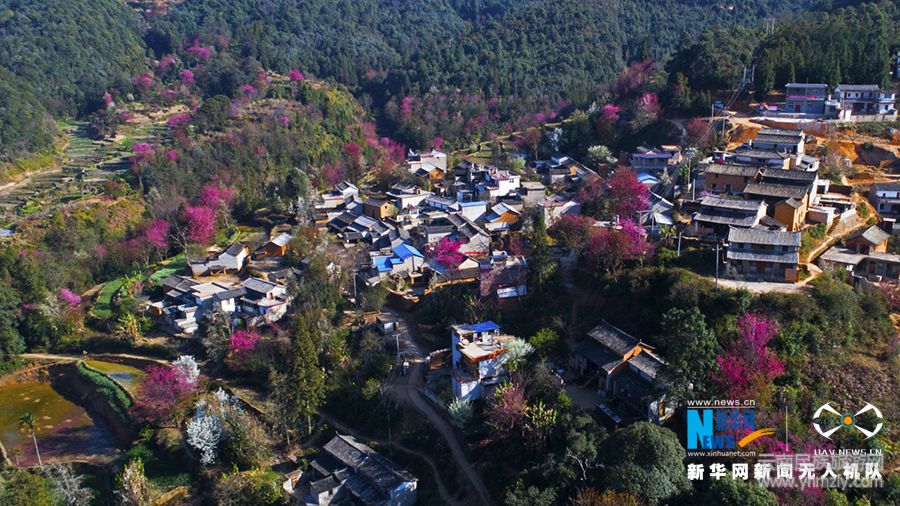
(783, 191)
(732, 170)
(873, 235)
(617, 340)
(373, 472)
(804, 176)
(731, 204)
(764, 237)
(779, 257)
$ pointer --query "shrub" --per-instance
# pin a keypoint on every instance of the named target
(116, 397)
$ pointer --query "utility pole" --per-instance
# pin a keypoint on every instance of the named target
(679, 245)
(717, 266)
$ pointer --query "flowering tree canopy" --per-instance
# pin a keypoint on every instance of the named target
(748, 365)
(162, 394)
(295, 75)
(626, 194)
(157, 234)
(609, 247)
(201, 223)
(446, 252)
(242, 342)
(204, 431)
(186, 367)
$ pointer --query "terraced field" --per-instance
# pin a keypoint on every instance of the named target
(89, 163)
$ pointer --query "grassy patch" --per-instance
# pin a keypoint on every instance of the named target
(103, 307)
(163, 473)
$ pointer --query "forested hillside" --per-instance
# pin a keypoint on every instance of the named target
(65, 55)
(58, 58)
(846, 42)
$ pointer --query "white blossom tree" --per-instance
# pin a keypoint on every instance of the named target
(204, 431)
(132, 487)
(187, 368)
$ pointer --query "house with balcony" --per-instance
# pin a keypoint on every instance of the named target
(763, 255)
(864, 102)
(886, 198)
(809, 98)
(788, 194)
(478, 361)
(427, 165)
(624, 370)
(655, 160)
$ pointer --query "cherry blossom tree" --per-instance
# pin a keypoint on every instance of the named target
(446, 252)
(201, 223)
(506, 414)
(243, 342)
(186, 366)
(626, 195)
(162, 394)
(573, 231)
(295, 75)
(610, 112)
(609, 248)
(748, 365)
(187, 77)
(200, 52)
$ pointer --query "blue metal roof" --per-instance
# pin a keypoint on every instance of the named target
(405, 251)
(382, 263)
(487, 326)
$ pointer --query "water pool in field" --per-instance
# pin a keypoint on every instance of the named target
(65, 431)
(129, 377)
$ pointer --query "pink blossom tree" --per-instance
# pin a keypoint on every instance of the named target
(202, 53)
(610, 112)
(216, 197)
(187, 77)
(157, 234)
(163, 395)
(295, 75)
(143, 153)
(626, 195)
(609, 248)
(506, 414)
(573, 231)
(446, 252)
(201, 223)
(748, 365)
(243, 342)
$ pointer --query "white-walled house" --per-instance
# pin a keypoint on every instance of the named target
(478, 359)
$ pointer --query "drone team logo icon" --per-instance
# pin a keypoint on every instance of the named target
(847, 420)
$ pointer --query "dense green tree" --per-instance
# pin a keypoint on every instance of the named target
(21, 487)
(11, 342)
(689, 347)
(298, 394)
(644, 459)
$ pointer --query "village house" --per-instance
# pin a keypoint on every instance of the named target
(354, 228)
(477, 359)
(378, 208)
(780, 141)
(760, 254)
(872, 266)
(231, 260)
(864, 102)
(788, 193)
(431, 165)
(870, 240)
(721, 178)
(347, 472)
(886, 198)
(556, 206)
(655, 160)
(475, 240)
(407, 196)
(717, 215)
(338, 196)
(276, 246)
(532, 192)
(503, 279)
(498, 183)
(807, 98)
(185, 302)
(761, 158)
(474, 210)
(398, 261)
(626, 371)
(501, 218)
(563, 170)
